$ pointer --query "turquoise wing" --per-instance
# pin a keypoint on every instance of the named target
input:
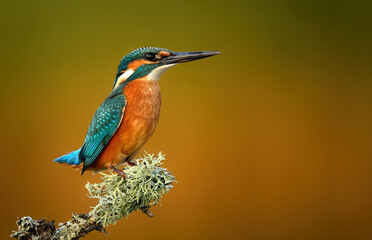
(103, 126)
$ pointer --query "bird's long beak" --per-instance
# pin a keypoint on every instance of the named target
(181, 57)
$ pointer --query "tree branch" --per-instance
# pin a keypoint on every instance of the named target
(143, 188)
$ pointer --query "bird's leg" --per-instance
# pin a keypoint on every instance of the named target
(117, 171)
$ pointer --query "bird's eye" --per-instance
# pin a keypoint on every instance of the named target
(150, 56)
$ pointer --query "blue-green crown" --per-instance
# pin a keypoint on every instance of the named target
(139, 53)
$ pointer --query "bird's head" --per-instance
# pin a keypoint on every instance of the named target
(151, 62)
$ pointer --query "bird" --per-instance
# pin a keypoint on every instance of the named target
(127, 118)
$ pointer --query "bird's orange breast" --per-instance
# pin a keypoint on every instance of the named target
(141, 116)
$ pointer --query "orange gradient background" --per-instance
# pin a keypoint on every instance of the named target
(271, 139)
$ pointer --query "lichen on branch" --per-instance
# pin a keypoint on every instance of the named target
(145, 184)
(143, 188)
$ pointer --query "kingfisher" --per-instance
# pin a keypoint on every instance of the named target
(127, 118)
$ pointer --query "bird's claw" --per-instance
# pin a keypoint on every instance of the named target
(117, 171)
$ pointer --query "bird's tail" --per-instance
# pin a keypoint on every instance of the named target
(71, 159)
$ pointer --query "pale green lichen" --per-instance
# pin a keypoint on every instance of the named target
(33, 229)
(78, 226)
(145, 184)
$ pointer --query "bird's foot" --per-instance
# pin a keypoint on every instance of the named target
(117, 171)
(146, 210)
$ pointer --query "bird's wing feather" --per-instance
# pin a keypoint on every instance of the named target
(103, 126)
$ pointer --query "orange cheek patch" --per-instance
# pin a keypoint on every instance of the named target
(135, 64)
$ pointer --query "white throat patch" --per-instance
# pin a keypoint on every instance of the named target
(155, 74)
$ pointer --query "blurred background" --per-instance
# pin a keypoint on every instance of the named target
(269, 140)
